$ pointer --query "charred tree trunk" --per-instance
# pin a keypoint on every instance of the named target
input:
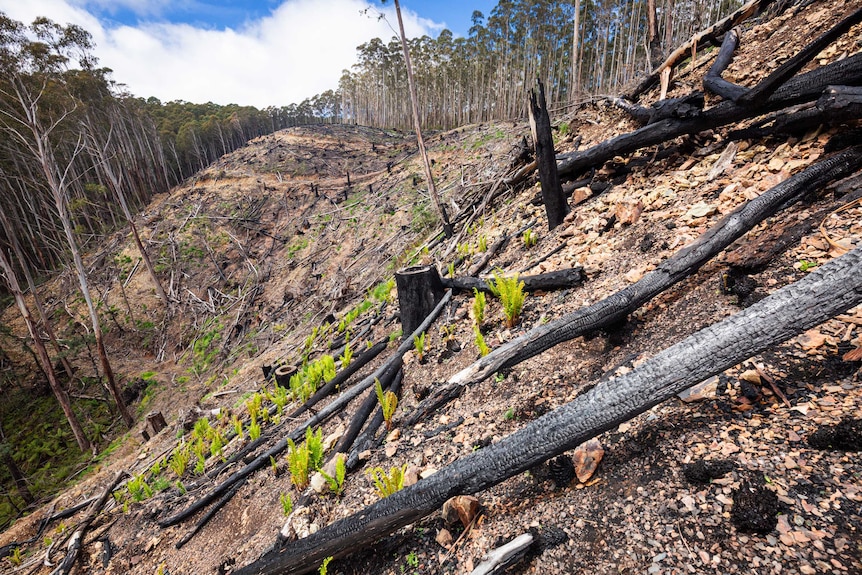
(552, 192)
(829, 290)
(419, 290)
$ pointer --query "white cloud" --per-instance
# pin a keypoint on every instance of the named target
(296, 52)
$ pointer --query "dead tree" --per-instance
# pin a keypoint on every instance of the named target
(556, 206)
(830, 290)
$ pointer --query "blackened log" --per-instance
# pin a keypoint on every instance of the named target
(685, 262)
(641, 114)
(827, 291)
(364, 411)
(706, 36)
(76, 541)
(713, 82)
(366, 438)
(800, 89)
(559, 279)
(556, 206)
(419, 290)
(766, 87)
(298, 433)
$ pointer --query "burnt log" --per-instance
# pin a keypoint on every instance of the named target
(684, 107)
(616, 307)
(799, 89)
(827, 291)
(419, 290)
(364, 411)
(366, 438)
(560, 279)
(155, 423)
(76, 541)
(298, 433)
(556, 206)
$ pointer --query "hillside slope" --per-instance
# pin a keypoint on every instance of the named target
(271, 244)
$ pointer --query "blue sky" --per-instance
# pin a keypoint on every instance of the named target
(259, 53)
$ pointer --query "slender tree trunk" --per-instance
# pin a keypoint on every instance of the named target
(42, 353)
(432, 189)
(576, 58)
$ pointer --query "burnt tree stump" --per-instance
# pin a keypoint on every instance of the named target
(419, 291)
(552, 192)
(155, 423)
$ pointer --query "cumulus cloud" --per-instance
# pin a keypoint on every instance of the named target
(298, 50)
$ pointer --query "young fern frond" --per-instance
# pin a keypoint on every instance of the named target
(388, 483)
(511, 294)
(388, 403)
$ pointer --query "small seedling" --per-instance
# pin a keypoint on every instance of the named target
(388, 402)
(478, 306)
(254, 429)
(511, 294)
(237, 426)
(138, 488)
(179, 461)
(346, 356)
(388, 483)
(412, 559)
(509, 415)
(451, 269)
(286, 504)
(480, 341)
(419, 345)
(805, 265)
(483, 244)
(529, 238)
(336, 484)
(324, 565)
(274, 465)
(16, 557)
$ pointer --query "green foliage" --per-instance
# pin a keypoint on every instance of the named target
(479, 303)
(346, 356)
(412, 559)
(17, 557)
(138, 488)
(388, 402)
(422, 217)
(336, 484)
(529, 238)
(511, 294)
(395, 335)
(236, 422)
(286, 504)
(306, 458)
(324, 566)
(483, 244)
(480, 341)
(509, 415)
(297, 245)
(382, 292)
(180, 460)
(806, 265)
(204, 352)
(463, 251)
(419, 345)
(254, 429)
(305, 382)
(451, 269)
(253, 406)
(388, 483)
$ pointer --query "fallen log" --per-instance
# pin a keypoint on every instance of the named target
(559, 279)
(76, 541)
(505, 556)
(685, 262)
(298, 433)
(705, 36)
(799, 89)
(364, 411)
(827, 291)
(366, 438)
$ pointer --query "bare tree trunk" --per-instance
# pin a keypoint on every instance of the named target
(42, 353)
(576, 58)
(432, 189)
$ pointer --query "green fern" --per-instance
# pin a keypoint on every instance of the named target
(479, 303)
(511, 294)
(419, 345)
(480, 341)
(388, 403)
(388, 483)
(336, 484)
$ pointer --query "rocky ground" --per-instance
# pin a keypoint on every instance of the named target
(271, 240)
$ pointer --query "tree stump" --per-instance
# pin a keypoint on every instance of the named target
(283, 373)
(419, 291)
(155, 423)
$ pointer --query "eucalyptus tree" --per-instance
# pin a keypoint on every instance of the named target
(36, 110)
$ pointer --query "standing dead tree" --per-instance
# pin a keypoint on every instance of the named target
(831, 289)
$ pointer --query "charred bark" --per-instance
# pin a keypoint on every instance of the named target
(800, 89)
(298, 433)
(419, 290)
(560, 279)
(822, 294)
(556, 207)
(682, 264)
